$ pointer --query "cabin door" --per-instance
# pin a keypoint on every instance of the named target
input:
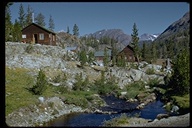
(34, 38)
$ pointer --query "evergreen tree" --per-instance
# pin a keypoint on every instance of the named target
(180, 80)
(29, 16)
(144, 51)
(91, 57)
(51, 24)
(83, 57)
(75, 30)
(106, 58)
(8, 24)
(134, 42)
(114, 51)
(153, 51)
(121, 61)
(68, 31)
(21, 16)
(164, 51)
(40, 20)
(16, 32)
(41, 84)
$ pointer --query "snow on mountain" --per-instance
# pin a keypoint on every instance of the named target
(61, 31)
(147, 37)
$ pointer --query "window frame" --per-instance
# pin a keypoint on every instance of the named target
(41, 36)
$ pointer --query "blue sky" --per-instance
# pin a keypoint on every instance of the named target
(150, 17)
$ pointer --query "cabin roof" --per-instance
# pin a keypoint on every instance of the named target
(101, 53)
(71, 48)
(49, 31)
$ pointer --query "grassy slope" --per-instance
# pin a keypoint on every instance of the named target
(15, 89)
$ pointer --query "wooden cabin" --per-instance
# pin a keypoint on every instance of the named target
(99, 55)
(128, 53)
(73, 49)
(36, 34)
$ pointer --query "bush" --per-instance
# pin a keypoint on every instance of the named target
(40, 85)
(80, 84)
(180, 80)
(117, 121)
(154, 82)
(60, 78)
(29, 48)
(103, 86)
(134, 89)
(150, 71)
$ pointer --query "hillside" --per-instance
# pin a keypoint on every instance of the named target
(178, 26)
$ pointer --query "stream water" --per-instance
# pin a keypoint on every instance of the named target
(150, 111)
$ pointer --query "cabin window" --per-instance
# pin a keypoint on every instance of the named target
(23, 36)
(41, 36)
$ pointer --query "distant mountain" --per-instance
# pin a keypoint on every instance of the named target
(122, 38)
(148, 37)
(178, 26)
(61, 31)
(116, 34)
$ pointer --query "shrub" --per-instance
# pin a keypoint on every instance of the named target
(80, 84)
(40, 85)
(29, 48)
(103, 86)
(180, 80)
(150, 71)
(60, 78)
(153, 82)
(134, 89)
(117, 121)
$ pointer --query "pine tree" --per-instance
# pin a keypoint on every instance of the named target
(68, 31)
(8, 24)
(153, 51)
(16, 32)
(144, 51)
(164, 51)
(75, 30)
(29, 16)
(21, 16)
(114, 51)
(134, 42)
(106, 58)
(41, 84)
(51, 24)
(83, 57)
(40, 20)
(180, 80)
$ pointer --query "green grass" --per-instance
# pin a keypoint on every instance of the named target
(17, 94)
(134, 89)
(117, 121)
(183, 102)
(15, 88)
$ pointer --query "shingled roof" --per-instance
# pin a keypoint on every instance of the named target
(39, 27)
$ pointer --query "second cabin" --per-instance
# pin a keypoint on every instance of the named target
(36, 34)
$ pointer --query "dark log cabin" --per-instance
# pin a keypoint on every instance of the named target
(34, 33)
(128, 53)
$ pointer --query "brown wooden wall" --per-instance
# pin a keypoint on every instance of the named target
(99, 58)
(128, 52)
(33, 29)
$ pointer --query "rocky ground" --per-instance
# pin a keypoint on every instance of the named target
(54, 57)
(38, 114)
(173, 121)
